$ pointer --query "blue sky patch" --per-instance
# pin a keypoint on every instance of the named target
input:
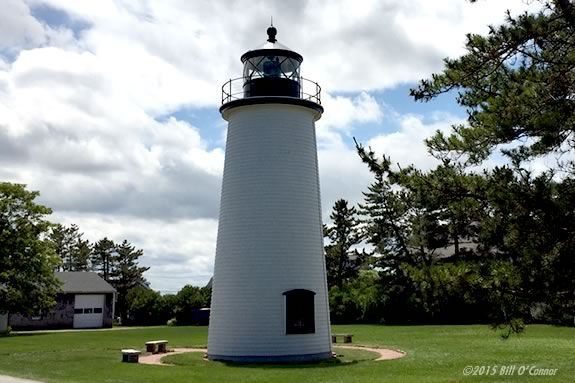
(57, 18)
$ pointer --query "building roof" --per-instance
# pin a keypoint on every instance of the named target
(83, 282)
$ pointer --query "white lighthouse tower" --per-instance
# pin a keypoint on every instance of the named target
(269, 299)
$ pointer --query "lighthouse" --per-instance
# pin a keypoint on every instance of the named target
(269, 297)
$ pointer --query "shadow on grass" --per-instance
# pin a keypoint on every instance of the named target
(334, 362)
(342, 358)
(15, 334)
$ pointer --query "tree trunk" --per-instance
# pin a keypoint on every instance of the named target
(340, 269)
(3, 322)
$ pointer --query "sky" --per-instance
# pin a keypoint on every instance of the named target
(109, 108)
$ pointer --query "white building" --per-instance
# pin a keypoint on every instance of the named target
(85, 301)
(269, 300)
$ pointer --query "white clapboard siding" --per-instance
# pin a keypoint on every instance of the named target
(270, 235)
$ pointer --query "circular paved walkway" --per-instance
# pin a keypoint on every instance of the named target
(11, 379)
(384, 354)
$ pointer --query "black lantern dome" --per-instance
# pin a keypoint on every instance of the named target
(272, 69)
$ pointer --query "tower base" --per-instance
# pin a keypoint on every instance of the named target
(272, 358)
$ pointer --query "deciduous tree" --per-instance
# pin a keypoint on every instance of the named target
(27, 258)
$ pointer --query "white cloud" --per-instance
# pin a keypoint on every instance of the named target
(70, 132)
(384, 43)
(347, 47)
(342, 175)
(342, 112)
(86, 100)
(407, 146)
(178, 252)
(18, 27)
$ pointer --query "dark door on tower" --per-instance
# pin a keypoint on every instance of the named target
(300, 316)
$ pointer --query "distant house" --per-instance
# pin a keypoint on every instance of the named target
(86, 301)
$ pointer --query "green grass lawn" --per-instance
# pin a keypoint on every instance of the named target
(434, 354)
(344, 356)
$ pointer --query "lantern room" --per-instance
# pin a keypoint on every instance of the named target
(271, 70)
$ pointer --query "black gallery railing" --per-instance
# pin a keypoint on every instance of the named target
(244, 87)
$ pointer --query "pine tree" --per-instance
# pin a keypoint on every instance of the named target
(103, 257)
(342, 263)
(517, 84)
(83, 253)
(447, 205)
(125, 274)
(383, 212)
(70, 247)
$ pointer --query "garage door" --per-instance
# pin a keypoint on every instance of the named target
(89, 311)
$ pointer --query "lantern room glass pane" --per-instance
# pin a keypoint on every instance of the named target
(272, 66)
